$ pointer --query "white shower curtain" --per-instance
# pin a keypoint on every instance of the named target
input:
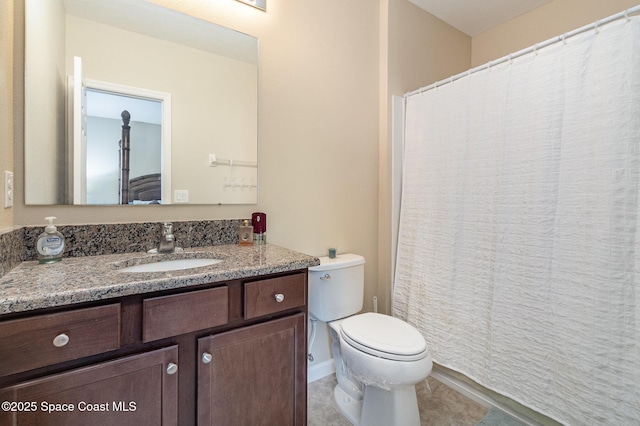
(519, 243)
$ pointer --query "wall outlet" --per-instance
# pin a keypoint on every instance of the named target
(181, 196)
(8, 189)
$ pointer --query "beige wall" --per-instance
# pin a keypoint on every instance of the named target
(543, 23)
(422, 48)
(6, 105)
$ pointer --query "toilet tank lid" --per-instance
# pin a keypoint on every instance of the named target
(340, 261)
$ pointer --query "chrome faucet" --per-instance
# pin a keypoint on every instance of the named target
(167, 240)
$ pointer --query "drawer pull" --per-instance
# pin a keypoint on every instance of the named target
(279, 297)
(172, 368)
(60, 340)
(206, 357)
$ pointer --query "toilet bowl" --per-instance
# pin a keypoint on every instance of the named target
(386, 357)
(378, 358)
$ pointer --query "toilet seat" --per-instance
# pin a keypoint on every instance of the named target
(384, 336)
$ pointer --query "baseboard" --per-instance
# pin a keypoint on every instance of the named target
(478, 396)
(320, 370)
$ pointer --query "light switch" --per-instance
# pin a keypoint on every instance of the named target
(8, 189)
(181, 196)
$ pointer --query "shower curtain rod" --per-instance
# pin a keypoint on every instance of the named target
(535, 47)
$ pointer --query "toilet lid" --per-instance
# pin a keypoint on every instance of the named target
(384, 336)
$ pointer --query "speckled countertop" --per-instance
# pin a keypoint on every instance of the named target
(31, 286)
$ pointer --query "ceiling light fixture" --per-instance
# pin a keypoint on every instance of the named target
(258, 4)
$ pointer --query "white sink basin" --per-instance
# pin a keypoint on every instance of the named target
(170, 265)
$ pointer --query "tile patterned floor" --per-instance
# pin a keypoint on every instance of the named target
(439, 405)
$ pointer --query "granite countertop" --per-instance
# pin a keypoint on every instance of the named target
(31, 286)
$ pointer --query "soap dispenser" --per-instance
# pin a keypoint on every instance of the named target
(259, 221)
(245, 234)
(50, 245)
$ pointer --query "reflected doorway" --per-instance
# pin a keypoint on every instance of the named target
(104, 140)
(96, 152)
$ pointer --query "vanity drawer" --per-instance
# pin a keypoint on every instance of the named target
(43, 340)
(177, 314)
(273, 295)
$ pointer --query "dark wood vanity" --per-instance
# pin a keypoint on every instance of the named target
(224, 353)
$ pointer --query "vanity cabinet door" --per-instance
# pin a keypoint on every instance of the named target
(254, 375)
(136, 390)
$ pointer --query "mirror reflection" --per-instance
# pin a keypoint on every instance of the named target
(187, 88)
(132, 173)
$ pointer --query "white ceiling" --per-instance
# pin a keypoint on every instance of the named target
(473, 17)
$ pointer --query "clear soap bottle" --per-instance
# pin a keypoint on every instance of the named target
(50, 244)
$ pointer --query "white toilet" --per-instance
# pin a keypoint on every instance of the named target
(379, 359)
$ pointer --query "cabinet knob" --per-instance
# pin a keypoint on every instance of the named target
(172, 368)
(279, 297)
(60, 340)
(206, 357)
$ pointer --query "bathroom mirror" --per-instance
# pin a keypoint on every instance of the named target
(188, 86)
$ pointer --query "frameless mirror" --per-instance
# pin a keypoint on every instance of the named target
(128, 102)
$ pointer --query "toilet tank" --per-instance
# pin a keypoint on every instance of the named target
(336, 287)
